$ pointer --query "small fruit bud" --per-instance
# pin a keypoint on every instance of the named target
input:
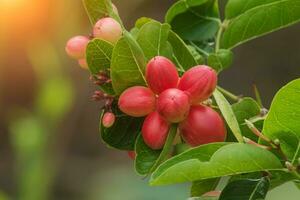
(76, 47)
(137, 101)
(200, 82)
(203, 125)
(173, 105)
(82, 63)
(161, 74)
(108, 29)
(108, 119)
(155, 131)
(131, 154)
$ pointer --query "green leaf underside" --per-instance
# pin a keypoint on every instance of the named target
(282, 121)
(183, 55)
(98, 55)
(258, 18)
(247, 189)
(214, 160)
(128, 64)
(196, 20)
(228, 114)
(246, 109)
(201, 187)
(97, 9)
(152, 38)
(122, 135)
(148, 160)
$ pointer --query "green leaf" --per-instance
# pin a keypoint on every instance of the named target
(201, 187)
(197, 56)
(147, 159)
(250, 19)
(97, 9)
(142, 21)
(246, 109)
(214, 160)
(127, 65)
(282, 121)
(152, 38)
(235, 8)
(98, 55)
(228, 114)
(182, 54)
(246, 189)
(196, 20)
(220, 60)
(122, 135)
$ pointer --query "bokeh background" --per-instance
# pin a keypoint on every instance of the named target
(49, 142)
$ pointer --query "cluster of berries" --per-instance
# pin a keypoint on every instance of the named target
(170, 99)
(106, 28)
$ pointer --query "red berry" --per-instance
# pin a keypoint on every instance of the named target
(76, 47)
(173, 105)
(203, 125)
(108, 119)
(82, 63)
(108, 29)
(200, 82)
(155, 131)
(131, 154)
(137, 101)
(161, 74)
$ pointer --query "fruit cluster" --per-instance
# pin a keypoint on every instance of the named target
(167, 98)
(107, 29)
(170, 99)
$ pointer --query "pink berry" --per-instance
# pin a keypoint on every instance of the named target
(82, 63)
(108, 119)
(199, 82)
(76, 47)
(173, 105)
(161, 74)
(203, 125)
(155, 131)
(137, 101)
(108, 29)
(131, 154)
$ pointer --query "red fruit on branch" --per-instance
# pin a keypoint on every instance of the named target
(203, 125)
(155, 131)
(108, 119)
(173, 105)
(137, 101)
(76, 47)
(108, 29)
(199, 82)
(161, 74)
(131, 154)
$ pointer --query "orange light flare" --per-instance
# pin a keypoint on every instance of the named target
(21, 19)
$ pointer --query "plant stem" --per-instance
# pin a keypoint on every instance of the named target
(257, 96)
(167, 147)
(199, 49)
(229, 94)
(219, 35)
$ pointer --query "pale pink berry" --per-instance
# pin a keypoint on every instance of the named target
(108, 29)
(76, 47)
